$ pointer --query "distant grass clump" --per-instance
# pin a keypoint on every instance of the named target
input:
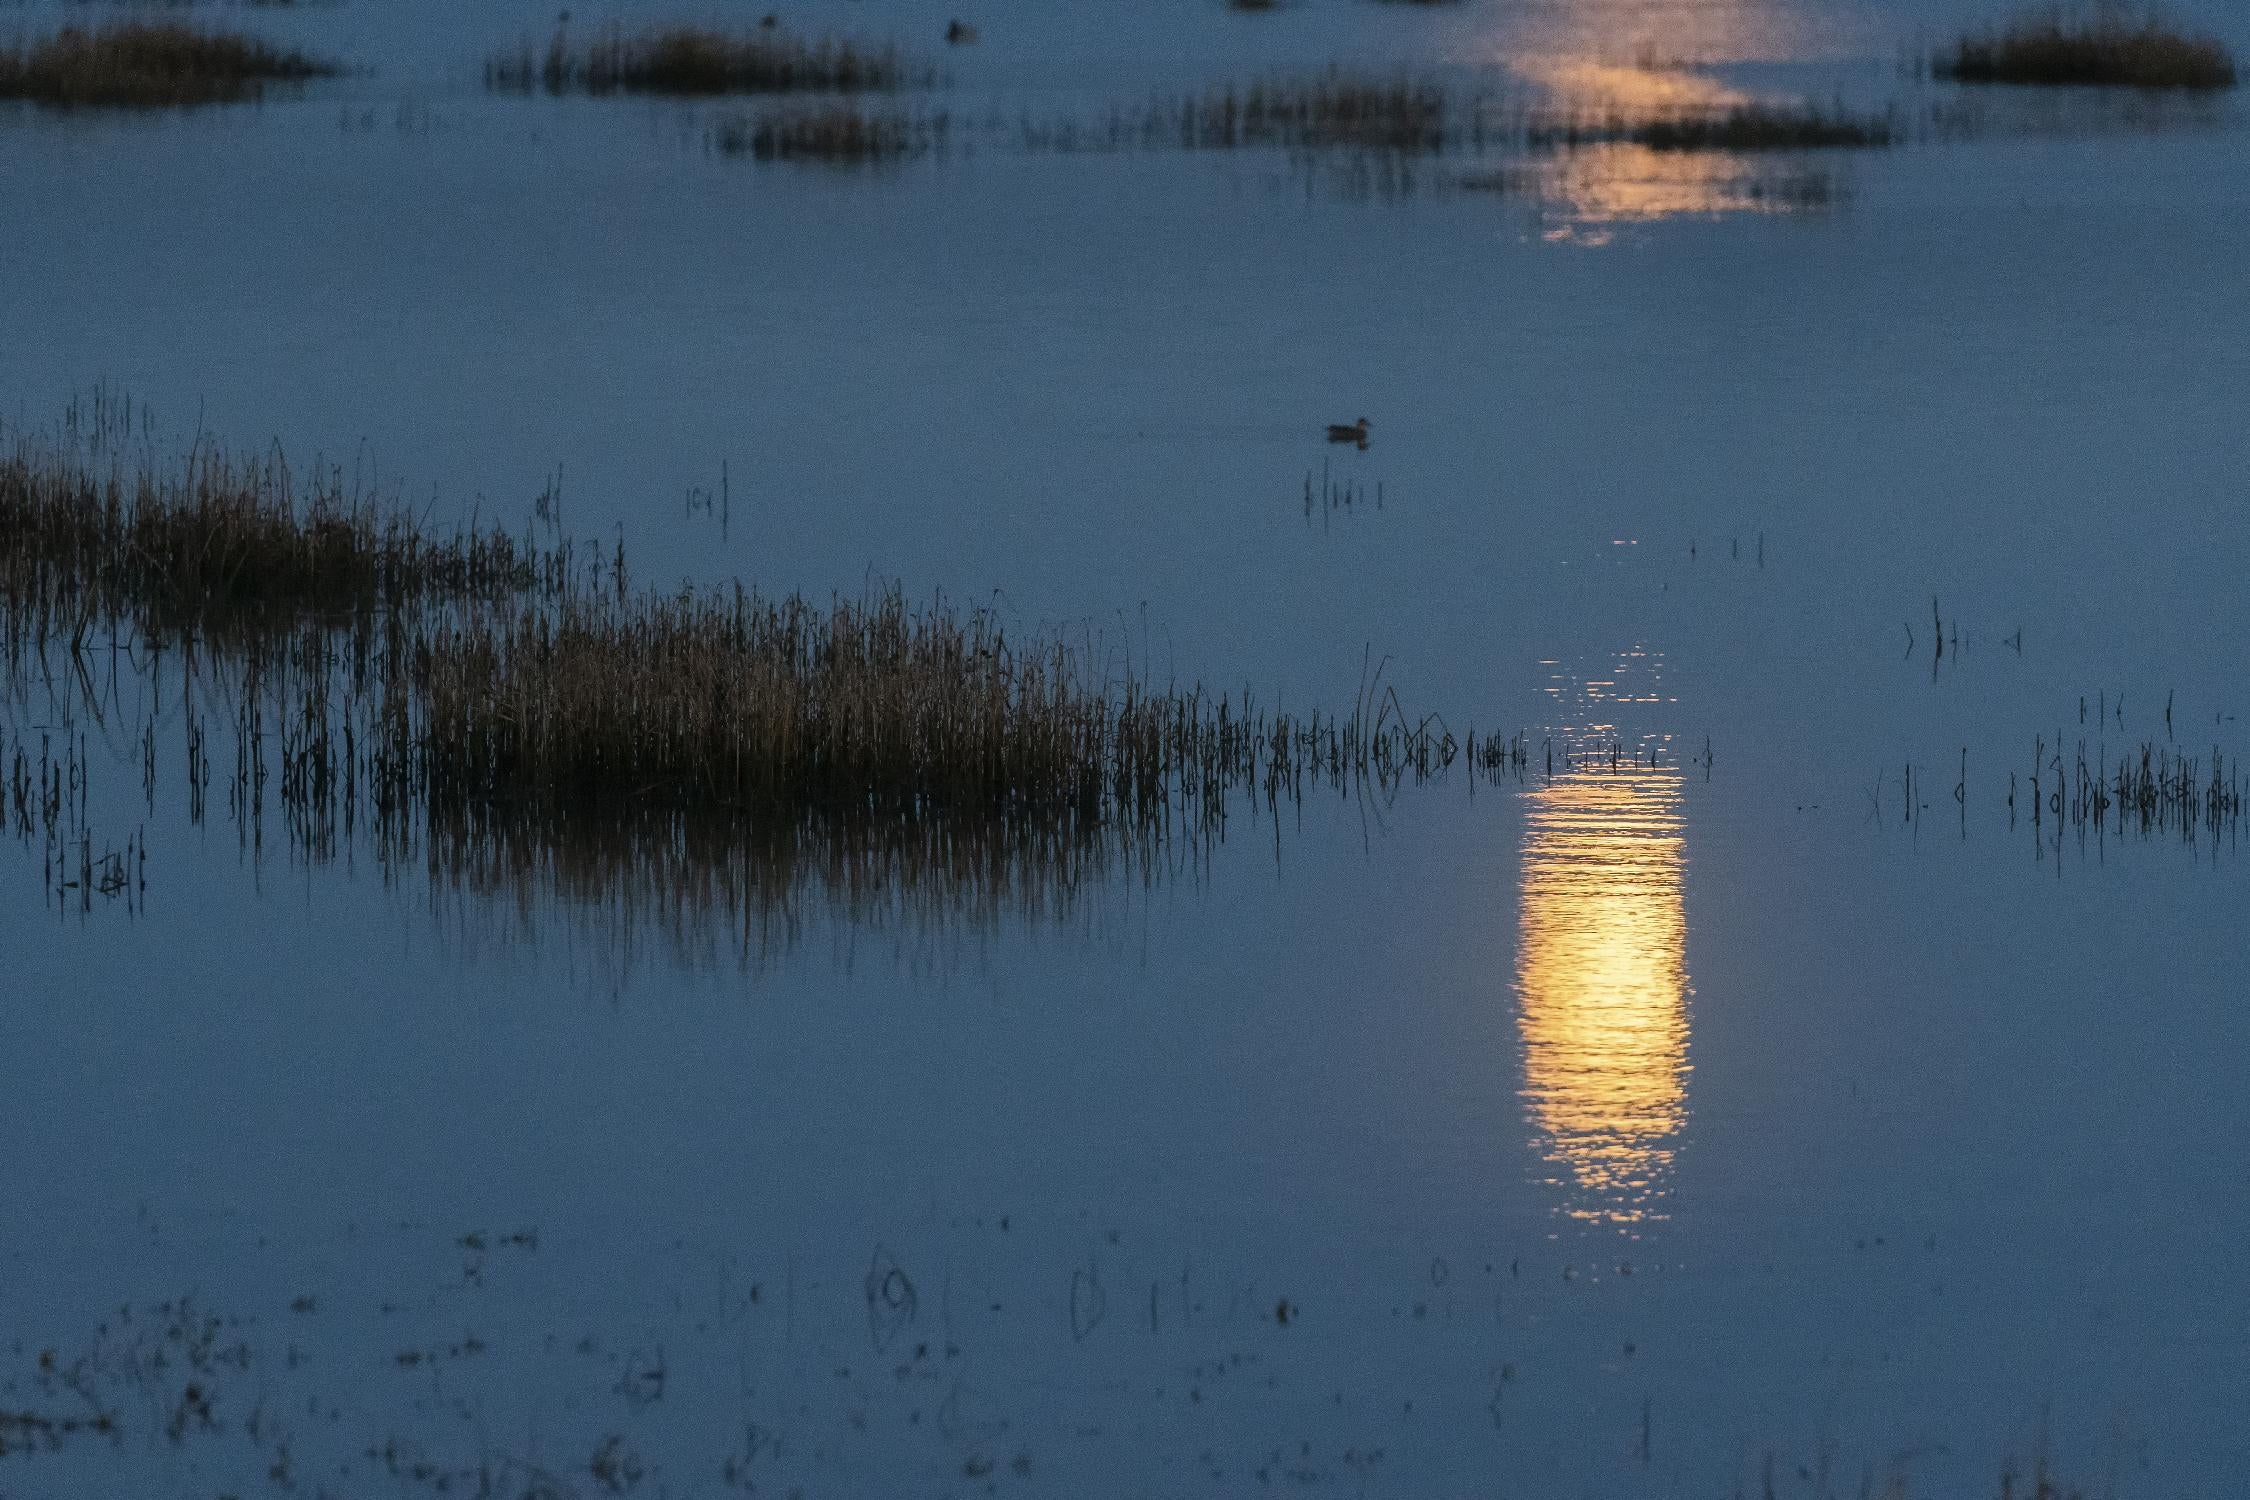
(690, 60)
(2103, 51)
(839, 134)
(148, 65)
(1754, 127)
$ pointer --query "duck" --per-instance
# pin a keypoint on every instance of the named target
(1356, 432)
(960, 32)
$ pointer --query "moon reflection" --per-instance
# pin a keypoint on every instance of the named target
(1617, 61)
(1603, 987)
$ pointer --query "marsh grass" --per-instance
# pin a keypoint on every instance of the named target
(1756, 127)
(148, 64)
(2105, 50)
(688, 60)
(866, 707)
(479, 704)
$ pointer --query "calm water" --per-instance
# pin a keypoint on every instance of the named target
(1668, 1128)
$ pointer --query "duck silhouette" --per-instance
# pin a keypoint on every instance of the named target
(1355, 432)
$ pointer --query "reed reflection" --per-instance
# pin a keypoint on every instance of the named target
(1603, 986)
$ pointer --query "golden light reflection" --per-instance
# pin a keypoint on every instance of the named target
(1587, 190)
(1603, 986)
(1621, 62)
(1666, 34)
(1583, 86)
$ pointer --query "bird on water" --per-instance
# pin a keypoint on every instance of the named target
(1356, 432)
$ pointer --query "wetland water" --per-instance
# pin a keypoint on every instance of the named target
(1724, 1104)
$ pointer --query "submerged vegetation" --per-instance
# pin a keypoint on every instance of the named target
(2105, 50)
(148, 64)
(690, 60)
(170, 1375)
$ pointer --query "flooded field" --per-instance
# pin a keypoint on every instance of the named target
(1195, 750)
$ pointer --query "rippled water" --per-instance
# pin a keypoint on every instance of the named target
(1723, 1097)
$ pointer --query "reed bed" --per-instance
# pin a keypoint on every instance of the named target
(855, 708)
(148, 65)
(1748, 128)
(688, 60)
(474, 704)
(2103, 51)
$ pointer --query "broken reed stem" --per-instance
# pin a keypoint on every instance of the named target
(2148, 790)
